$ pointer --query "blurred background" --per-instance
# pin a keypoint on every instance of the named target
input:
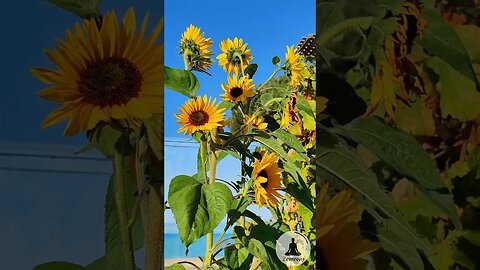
(51, 200)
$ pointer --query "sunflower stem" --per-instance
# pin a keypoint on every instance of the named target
(185, 59)
(121, 202)
(213, 169)
(269, 78)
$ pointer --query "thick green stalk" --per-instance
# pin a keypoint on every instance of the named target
(337, 29)
(213, 169)
(121, 202)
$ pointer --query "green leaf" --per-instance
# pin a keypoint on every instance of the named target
(262, 243)
(113, 243)
(300, 193)
(458, 94)
(416, 119)
(442, 41)
(181, 81)
(406, 156)
(290, 140)
(197, 208)
(469, 34)
(250, 70)
(238, 259)
(105, 137)
(336, 161)
(59, 266)
(401, 247)
(154, 127)
(176, 266)
(98, 264)
(271, 144)
(86, 8)
(275, 60)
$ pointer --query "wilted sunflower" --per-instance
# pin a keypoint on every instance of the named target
(238, 90)
(397, 76)
(289, 116)
(200, 114)
(294, 66)
(267, 178)
(232, 50)
(256, 122)
(339, 243)
(104, 72)
(197, 47)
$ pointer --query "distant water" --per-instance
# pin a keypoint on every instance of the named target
(175, 249)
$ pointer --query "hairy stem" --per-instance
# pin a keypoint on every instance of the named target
(121, 202)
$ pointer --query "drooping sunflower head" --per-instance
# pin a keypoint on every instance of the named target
(234, 55)
(339, 242)
(238, 90)
(256, 122)
(267, 178)
(200, 114)
(104, 72)
(289, 116)
(197, 47)
(294, 66)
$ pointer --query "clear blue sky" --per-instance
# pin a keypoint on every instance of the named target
(267, 26)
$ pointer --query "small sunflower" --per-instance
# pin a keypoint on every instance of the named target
(229, 59)
(339, 243)
(238, 90)
(200, 114)
(198, 46)
(294, 66)
(267, 178)
(256, 122)
(105, 72)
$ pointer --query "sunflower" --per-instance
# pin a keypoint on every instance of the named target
(197, 46)
(238, 90)
(200, 114)
(105, 72)
(232, 51)
(267, 178)
(339, 243)
(397, 74)
(256, 122)
(294, 66)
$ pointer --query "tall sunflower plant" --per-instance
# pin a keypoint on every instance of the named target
(108, 81)
(398, 125)
(270, 131)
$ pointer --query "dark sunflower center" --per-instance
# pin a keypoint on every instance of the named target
(235, 92)
(199, 118)
(111, 81)
(320, 258)
(263, 173)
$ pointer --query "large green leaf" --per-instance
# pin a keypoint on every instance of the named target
(176, 266)
(458, 94)
(238, 258)
(198, 208)
(337, 161)
(400, 247)
(442, 41)
(59, 266)
(113, 243)
(290, 140)
(86, 8)
(261, 243)
(469, 34)
(181, 81)
(403, 153)
(271, 144)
